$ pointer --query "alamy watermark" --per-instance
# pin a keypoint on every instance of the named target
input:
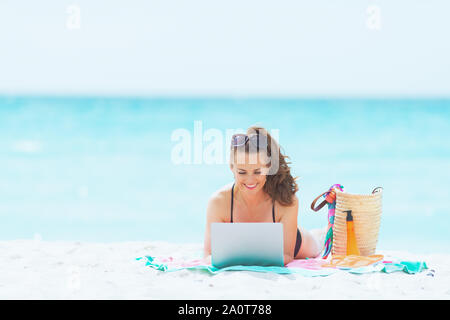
(213, 147)
(73, 21)
(373, 21)
(73, 278)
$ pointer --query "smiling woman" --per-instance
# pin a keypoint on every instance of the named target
(259, 151)
(263, 191)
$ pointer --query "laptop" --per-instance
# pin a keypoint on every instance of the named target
(247, 244)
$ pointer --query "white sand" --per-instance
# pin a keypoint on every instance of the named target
(34, 269)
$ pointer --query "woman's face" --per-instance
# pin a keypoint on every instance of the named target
(249, 171)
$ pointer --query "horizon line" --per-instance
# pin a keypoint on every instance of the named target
(184, 96)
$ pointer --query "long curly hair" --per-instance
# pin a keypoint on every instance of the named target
(280, 185)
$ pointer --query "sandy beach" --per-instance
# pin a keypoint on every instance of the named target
(35, 269)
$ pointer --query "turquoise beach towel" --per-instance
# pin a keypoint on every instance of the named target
(307, 268)
(172, 265)
(411, 267)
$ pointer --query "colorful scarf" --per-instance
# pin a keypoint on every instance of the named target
(330, 198)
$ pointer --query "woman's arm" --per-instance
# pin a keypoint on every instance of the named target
(289, 221)
(213, 214)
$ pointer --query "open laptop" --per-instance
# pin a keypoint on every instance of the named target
(247, 244)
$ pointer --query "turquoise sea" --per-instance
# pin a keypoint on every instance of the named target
(102, 168)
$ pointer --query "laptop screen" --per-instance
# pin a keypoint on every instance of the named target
(257, 244)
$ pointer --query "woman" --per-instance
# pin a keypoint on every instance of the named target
(263, 191)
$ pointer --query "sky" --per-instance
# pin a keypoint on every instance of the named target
(233, 47)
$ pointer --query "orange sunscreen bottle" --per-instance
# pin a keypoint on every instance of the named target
(352, 248)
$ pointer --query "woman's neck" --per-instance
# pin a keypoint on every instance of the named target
(253, 200)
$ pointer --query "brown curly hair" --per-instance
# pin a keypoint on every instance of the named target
(281, 185)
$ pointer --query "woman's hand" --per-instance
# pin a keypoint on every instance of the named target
(207, 260)
(288, 259)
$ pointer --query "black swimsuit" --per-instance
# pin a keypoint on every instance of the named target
(298, 242)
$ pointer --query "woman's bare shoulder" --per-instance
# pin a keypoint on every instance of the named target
(219, 201)
(288, 209)
(222, 193)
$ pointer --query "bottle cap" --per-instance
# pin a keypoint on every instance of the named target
(349, 215)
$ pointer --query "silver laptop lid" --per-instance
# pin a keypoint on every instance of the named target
(254, 244)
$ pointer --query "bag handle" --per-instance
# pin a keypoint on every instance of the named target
(330, 196)
(377, 189)
(320, 206)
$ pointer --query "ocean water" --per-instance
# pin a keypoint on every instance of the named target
(106, 169)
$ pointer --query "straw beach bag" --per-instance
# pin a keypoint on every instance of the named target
(366, 212)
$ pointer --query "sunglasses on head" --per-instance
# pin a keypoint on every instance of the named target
(257, 140)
